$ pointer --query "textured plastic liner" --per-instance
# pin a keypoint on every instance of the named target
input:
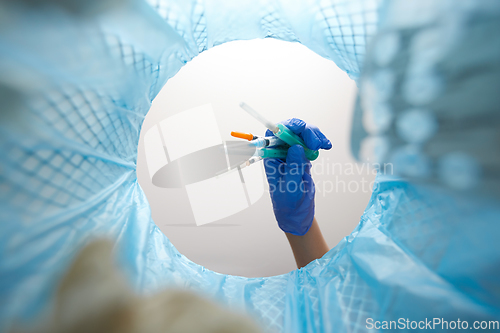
(77, 80)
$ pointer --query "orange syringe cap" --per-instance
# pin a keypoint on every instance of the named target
(246, 136)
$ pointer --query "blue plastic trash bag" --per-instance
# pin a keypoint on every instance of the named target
(428, 103)
(77, 79)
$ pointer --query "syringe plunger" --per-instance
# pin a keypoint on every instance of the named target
(259, 117)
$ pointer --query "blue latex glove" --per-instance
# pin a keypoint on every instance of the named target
(290, 183)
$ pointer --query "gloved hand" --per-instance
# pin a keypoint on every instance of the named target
(290, 183)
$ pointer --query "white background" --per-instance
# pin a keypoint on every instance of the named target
(280, 80)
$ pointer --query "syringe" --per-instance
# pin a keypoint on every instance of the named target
(262, 153)
(282, 132)
(258, 141)
(259, 154)
(258, 148)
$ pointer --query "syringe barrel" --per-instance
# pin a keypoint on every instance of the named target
(293, 139)
(272, 153)
(268, 141)
(274, 141)
(260, 142)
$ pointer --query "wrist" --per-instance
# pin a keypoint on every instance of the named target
(308, 247)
